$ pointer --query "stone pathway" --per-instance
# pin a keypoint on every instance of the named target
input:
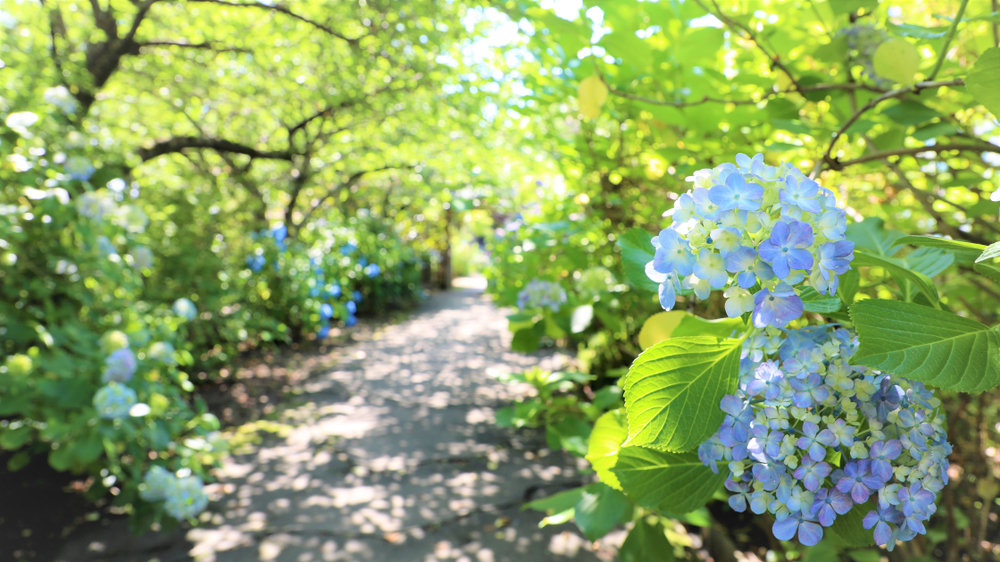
(390, 455)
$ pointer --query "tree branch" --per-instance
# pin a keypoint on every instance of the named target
(837, 164)
(748, 101)
(353, 41)
(827, 160)
(179, 144)
(351, 181)
(207, 45)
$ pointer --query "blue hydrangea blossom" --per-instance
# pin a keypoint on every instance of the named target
(765, 229)
(810, 456)
(541, 294)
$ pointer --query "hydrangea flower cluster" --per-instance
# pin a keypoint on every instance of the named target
(541, 294)
(183, 497)
(119, 366)
(754, 231)
(809, 437)
(114, 400)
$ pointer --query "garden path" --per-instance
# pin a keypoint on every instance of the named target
(389, 453)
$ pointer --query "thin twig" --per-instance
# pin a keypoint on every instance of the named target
(837, 164)
(764, 97)
(288, 12)
(948, 38)
(751, 36)
(207, 45)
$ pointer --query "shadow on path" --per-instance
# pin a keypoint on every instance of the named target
(391, 455)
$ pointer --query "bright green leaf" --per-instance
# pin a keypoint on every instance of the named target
(609, 433)
(928, 345)
(897, 60)
(637, 251)
(646, 542)
(599, 509)
(922, 282)
(673, 389)
(983, 80)
(991, 252)
(668, 482)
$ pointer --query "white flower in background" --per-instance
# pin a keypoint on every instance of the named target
(162, 351)
(142, 257)
(20, 121)
(60, 97)
(79, 168)
(94, 205)
(185, 309)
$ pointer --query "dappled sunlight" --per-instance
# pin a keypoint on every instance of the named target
(394, 454)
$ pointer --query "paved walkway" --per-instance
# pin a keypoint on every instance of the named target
(390, 455)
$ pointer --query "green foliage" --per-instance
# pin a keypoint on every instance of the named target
(983, 81)
(673, 389)
(931, 346)
(646, 542)
(673, 483)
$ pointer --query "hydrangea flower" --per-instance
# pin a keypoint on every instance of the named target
(182, 497)
(61, 97)
(142, 257)
(373, 270)
(809, 456)
(541, 294)
(162, 351)
(184, 308)
(114, 400)
(763, 229)
(119, 366)
(156, 483)
(186, 498)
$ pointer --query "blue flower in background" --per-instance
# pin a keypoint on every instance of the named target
(256, 263)
(348, 249)
(335, 291)
(119, 366)
(356, 295)
(351, 307)
(323, 332)
(279, 233)
(809, 532)
(362, 261)
(114, 400)
(325, 311)
(834, 258)
(351, 320)
(373, 270)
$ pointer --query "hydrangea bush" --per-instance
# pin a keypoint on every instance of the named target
(90, 371)
(809, 403)
(807, 437)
